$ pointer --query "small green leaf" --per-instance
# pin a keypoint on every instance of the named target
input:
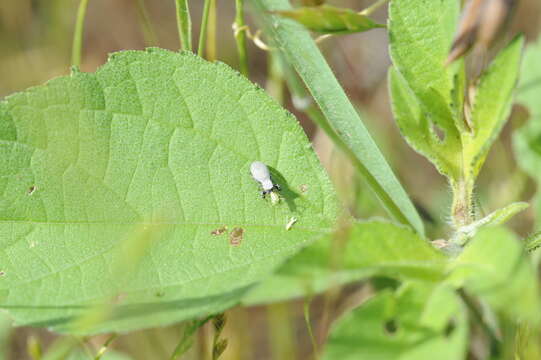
(417, 322)
(126, 194)
(492, 104)
(495, 218)
(328, 19)
(417, 129)
(367, 249)
(420, 36)
(495, 267)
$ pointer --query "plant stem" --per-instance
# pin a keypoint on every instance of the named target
(148, 30)
(211, 33)
(105, 346)
(184, 24)
(369, 10)
(240, 38)
(204, 24)
(78, 34)
(462, 207)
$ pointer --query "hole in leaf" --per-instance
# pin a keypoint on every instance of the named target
(235, 238)
(449, 329)
(439, 132)
(391, 327)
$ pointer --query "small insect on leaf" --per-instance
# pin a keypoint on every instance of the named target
(261, 174)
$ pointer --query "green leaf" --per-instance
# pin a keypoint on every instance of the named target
(367, 249)
(416, 128)
(495, 267)
(328, 19)
(420, 36)
(415, 323)
(303, 54)
(126, 194)
(492, 104)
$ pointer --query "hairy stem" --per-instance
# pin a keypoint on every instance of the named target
(184, 24)
(78, 34)
(204, 25)
(462, 207)
(240, 37)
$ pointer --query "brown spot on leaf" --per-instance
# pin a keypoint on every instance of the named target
(304, 188)
(219, 231)
(2, 273)
(235, 237)
(31, 190)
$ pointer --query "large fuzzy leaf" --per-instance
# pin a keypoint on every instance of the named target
(131, 186)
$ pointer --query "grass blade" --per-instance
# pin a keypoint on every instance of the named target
(302, 53)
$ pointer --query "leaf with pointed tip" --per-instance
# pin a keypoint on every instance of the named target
(492, 104)
(417, 130)
(420, 36)
(121, 191)
(328, 19)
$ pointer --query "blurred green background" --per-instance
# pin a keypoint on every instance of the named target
(35, 46)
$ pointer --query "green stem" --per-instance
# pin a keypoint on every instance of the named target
(462, 207)
(105, 346)
(204, 24)
(211, 33)
(240, 38)
(146, 25)
(184, 24)
(78, 34)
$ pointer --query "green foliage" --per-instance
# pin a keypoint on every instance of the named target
(492, 104)
(127, 197)
(527, 140)
(427, 95)
(420, 36)
(328, 19)
(495, 267)
(417, 129)
(366, 249)
(302, 53)
(416, 322)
